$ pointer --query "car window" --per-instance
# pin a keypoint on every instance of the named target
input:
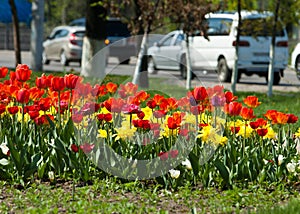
(63, 33)
(260, 27)
(179, 39)
(167, 41)
(219, 26)
(79, 34)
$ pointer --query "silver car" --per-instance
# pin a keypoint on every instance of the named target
(64, 44)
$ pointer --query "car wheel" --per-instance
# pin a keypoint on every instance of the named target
(124, 62)
(151, 66)
(223, 71)
(63, 59)
(44, 59)
(183, 68)
(297, 66)
(276, 78)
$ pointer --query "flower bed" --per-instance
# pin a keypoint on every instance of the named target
(65, 127)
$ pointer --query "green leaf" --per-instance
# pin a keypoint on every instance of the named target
(224, 172)
(195, 163)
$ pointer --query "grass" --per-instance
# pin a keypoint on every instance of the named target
(111, 196)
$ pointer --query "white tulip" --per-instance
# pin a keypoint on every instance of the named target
(187, 164)
(174, 173)
(4, 148)
(280, 159)
(291, 167)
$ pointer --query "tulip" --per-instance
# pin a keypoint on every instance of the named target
(111, 87)
(163, 156)
(13, 109)
(173, 153)
(173, 123)
(23, 73)
(200, 93)
(262, 132)
(74, 148)
(87, 148)
(174, 173)
(252, 101)
(234, 108)
(71, 81)
(3, 72)
(57, 83)
(23, 95)
(247, 113)
(230, 97)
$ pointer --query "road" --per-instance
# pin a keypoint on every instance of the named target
(208, 79)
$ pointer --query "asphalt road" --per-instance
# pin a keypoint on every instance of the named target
(247, 83)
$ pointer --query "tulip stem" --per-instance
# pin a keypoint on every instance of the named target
(22, 125)
(58, 107)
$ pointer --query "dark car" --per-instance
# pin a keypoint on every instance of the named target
(121, 44)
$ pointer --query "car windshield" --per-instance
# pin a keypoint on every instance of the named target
(117, 28)
(260, 27)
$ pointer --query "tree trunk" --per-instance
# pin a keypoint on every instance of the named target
(37, 33)
(94, 53)
(188, 63)
(16, 32)
(140, 76)
(272, 51)
(235, 70)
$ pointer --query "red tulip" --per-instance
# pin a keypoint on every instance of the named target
(111, 87)
(292, 118)
(87, 148)
(2, 108)
(43, 119)
(173, 123)
(230, 97)
(262, 132)
(234, 108)
(23, 95)
(260, 122)
(252, 101)
(57, 83)
(151, 104)
(74, 148)
(23, 73)
(247, 113)
(270, 114)
(173, 153)
(43, 81)
(71, 80)
(235, 130)
(13, 109)
(104, 117)
(163, 156)
(200, 93)
(44, 103)
(77, 118)
(3, 72)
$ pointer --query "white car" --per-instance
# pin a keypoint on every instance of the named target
(64, 44)
(218, 53)
(295, 60)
